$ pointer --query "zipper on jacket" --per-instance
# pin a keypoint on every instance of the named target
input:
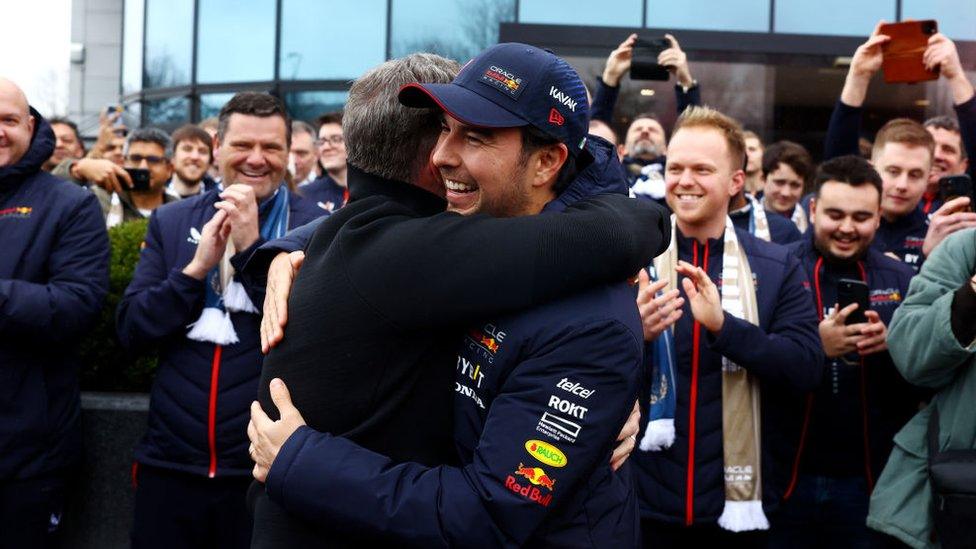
(693, 399)
(809, 405)
(212, 412)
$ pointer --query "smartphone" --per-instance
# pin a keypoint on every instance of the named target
(140, 178)
(903, 53)
(850, 291)
(115, 108)
(643, 64)
(954, 186)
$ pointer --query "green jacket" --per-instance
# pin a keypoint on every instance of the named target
(927, 354)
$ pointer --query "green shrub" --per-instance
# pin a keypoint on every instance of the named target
(106, 366)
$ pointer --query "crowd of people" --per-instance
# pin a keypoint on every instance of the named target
(653, 339)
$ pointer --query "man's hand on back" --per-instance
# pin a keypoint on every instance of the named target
(267, 436)
(281, 275)
(627, 439)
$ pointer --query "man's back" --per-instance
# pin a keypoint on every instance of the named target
(337, 359)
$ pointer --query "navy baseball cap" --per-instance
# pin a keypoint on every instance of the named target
(512, 85)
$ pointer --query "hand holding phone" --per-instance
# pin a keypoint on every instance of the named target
(140, 179)
(644, 65)
(954, 186)
(850, 291)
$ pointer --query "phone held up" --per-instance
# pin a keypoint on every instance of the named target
(643, 64)
(954, 186)
(140, 178)
(903, 53)
(849, 291)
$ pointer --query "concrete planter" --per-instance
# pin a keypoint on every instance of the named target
(99, 513)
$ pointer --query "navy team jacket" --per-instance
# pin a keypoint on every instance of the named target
(684, 484)
(53, 281)
(200, 400)
(539, 400)
(852, 417)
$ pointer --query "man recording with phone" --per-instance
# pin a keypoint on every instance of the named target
(898, 154)
(645, 143)
(148, 168)
(849, 420)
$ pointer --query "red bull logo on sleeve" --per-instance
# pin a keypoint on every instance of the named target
(536, 477)
(17, 212)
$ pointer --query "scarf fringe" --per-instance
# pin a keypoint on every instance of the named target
(742, 516)
(213, 326)
(658, 435)
(236, 299)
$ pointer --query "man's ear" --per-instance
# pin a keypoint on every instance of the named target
(30, 124)
(738, 181)
(215, 147)
(813, 210)
(548, 161)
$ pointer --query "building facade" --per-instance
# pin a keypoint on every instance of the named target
(776, 65)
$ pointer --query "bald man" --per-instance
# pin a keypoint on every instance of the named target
(53, 280)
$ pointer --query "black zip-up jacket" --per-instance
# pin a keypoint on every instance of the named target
(857, 401)
(54, 257)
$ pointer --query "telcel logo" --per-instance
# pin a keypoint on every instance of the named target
(546, 453)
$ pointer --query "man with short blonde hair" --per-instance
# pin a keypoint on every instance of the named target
(721, 397)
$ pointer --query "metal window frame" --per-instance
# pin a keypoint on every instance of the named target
(590, 41)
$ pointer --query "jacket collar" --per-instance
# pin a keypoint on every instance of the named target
(363, 185)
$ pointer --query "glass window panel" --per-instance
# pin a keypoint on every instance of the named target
(957, 18)
(309, 105)
(237, 42)
(458, 30)
(169, 42)
(167, 114)
(607, 13)
(354, 40)
(719, 15)
(132, 114)
(132, 46)
(211, 103)
(837, 17)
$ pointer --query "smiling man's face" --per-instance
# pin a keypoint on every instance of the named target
(482, 169)
(254, 151)
(699, 177)
(191, 160)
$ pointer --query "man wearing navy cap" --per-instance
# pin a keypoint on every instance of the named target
(539, 395)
